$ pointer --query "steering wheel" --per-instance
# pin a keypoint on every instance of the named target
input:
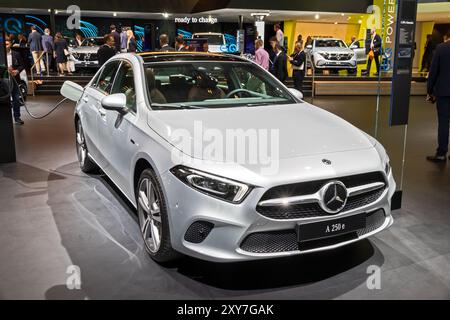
(250, 93)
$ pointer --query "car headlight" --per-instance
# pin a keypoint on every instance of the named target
(324, 54)
(76, 55)
(215, 186)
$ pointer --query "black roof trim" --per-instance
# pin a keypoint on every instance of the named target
(163, 57)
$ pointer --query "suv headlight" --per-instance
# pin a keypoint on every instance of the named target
(324, 54)
(212, 185)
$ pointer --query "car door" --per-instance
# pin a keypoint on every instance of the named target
(96, 93)
(88, 113)
(116, 130)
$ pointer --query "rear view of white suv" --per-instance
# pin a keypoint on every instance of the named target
(331, 54)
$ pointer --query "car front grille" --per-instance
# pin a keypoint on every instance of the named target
(339, 56)
(87, 56)
(286, 240)
(311, 210)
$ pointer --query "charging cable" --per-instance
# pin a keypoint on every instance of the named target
(25, 104)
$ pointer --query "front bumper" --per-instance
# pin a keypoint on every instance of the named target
(323, 63)
(233, 224)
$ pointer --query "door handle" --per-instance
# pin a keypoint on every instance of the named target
(102, 112)
(85, 98)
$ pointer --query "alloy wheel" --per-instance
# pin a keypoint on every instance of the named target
(150, 215)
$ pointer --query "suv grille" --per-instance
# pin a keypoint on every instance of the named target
(311, 210)
(339, 56)
(87, 56)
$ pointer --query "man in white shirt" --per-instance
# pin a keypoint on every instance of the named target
(279, 34)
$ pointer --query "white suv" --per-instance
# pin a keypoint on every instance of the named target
(331, 54)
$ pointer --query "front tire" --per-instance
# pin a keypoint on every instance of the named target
(86, 163)
(153, 219)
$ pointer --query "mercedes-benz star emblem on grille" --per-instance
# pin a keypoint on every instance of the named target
(326, 161)
(333, 197)
(87, 56)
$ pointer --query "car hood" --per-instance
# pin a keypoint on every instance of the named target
(298, 129)
(93, 49)
(334, 50)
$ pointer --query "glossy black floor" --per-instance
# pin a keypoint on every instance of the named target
(52, 216)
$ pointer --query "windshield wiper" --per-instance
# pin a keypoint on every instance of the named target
(174, 106)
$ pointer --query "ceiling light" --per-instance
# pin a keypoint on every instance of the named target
(265, 14)
(342, 14)
(359, 21)
(56, 11)
(49, 10)
(336, 22)
(317, 17)
(115, 14)
(165, 15)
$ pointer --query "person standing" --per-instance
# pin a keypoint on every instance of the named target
(116, 37)
(123, 40)
(261, 55)
(131, 41)
(430, 46)
(15, 65)
(107, 50)
(374, 53)
(179, 44)
(298, 61)
(279, 68)
(164, 43)
(279, 34)
(48, 47)
(35, 43)
(300, 40)
(78, 40)
(438, 88)
(22, 40)
(61, 51)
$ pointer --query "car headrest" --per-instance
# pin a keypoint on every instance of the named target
(151, 82)
(204, 80)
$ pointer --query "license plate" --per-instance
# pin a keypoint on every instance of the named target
(330, 228)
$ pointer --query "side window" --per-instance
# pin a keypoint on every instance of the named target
(125, 84)
(106, 78)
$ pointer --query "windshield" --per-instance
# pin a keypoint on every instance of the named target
(92, 42)
(204, 84)
(330, 44)
(213, 39)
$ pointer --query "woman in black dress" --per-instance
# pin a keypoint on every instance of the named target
(61, 51)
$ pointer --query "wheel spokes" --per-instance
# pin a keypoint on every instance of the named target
(149, 215)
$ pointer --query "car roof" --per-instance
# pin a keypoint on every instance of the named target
(150, 57)
(209, 33)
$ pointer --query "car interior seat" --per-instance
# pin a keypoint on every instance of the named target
(205, 87)
(155, 95)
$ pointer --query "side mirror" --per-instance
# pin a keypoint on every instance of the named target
(296, 93)
(115, 102)
(353, 46)
(71, 90)
(309, 46)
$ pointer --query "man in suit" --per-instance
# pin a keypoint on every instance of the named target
(439, 90)
(107, 50)
(116, 37)
(375, 46)
(164, 43)
(298, 61)
(279, 66)
(15, 64)
(35, 42)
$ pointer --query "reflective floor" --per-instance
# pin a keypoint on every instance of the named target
(52, 217)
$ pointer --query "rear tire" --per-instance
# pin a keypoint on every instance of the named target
(86, 163)
(153, 218)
